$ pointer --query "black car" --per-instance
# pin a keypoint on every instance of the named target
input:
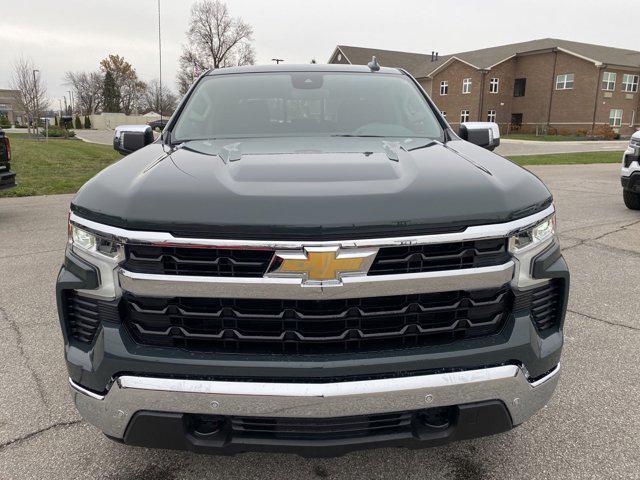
(310, 259)
(7, 177)
(158, 124)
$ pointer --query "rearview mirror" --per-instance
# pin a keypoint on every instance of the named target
(129, 138)
(483, 134)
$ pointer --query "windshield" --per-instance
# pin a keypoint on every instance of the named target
(306, 104)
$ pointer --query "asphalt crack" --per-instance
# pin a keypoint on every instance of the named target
(588, 241)
(602, 320)
(39, 432)
(13, 326)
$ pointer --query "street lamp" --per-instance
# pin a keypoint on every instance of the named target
(36, 102)
(159, 99)
(70, 101)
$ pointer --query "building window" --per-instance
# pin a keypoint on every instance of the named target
(494, 85)
(609, 81)
(491, 116)
(464, 116)
(466, 85)
(615, 117)
(443, 113)
(629, 83)
(564, 82)
(444, 87)
(519, 86)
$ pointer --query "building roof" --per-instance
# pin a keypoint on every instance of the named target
(417, 64)
(420, 65)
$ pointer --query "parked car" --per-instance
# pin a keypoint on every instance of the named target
(631, 173)
(7, 177)
(158, 124)
(310, 259)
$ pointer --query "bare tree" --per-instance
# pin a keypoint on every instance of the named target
(33, 92)
(215, 39)
(87, 88)
(155, 100)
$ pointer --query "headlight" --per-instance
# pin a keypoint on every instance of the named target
(91, 242)
(536, 234)
(634, 142)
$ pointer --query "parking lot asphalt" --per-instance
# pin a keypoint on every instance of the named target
(509, 147)
(590, 430)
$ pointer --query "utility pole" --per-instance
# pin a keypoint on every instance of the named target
(277, 60)
(159, 100)
(36, 102)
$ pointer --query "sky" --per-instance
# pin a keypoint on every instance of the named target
(76, 34)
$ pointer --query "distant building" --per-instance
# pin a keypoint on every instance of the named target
(10, 106)
(541, 83)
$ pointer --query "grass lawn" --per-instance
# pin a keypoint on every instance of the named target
(544, 138)
(568, 158)
(56, 166)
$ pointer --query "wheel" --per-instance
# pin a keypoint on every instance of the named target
(631, 199)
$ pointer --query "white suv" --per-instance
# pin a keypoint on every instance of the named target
(631, 173)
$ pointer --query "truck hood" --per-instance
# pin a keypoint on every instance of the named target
(312, 188)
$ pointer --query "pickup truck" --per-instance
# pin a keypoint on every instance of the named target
(309, 259)
(7, 177)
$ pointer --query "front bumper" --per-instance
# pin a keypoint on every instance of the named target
(131, 395)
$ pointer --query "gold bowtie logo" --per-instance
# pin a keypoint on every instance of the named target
(322, 264)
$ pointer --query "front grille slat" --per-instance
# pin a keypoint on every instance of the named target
(316, 326)
(83, 317)
(437, 257)
(543, 302)
(218, 262)
(322, 429)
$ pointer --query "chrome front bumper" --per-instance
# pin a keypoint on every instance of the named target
(129, 394)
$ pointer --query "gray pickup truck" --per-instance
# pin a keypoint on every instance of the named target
(310, 259)
(7, 177)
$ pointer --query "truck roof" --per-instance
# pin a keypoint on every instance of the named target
(300, 68)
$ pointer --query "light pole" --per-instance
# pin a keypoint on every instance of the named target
(36, 101)
(71, 102)
(159, 99)
(277, 60)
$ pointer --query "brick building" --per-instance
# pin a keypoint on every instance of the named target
(531, 85)
(11, 106)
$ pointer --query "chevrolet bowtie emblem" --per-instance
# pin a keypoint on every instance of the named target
(322, 265)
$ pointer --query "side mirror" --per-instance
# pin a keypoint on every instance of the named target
(483, 134)
(129, 138)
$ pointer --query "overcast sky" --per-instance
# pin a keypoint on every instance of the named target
(76, 34)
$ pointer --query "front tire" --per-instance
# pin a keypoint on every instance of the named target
(631, 199)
